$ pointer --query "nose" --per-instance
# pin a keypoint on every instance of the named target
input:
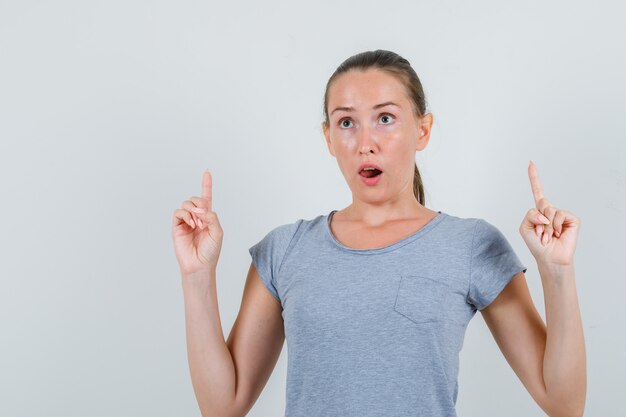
(367, 143)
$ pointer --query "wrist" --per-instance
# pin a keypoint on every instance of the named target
(554, 269)
(198, 277)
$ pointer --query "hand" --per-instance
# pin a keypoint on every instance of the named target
(549, 233)
(197, 232)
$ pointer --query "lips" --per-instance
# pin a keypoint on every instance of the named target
(369, 173)
(371, 181)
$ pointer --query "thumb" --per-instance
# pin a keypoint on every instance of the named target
(533, 218)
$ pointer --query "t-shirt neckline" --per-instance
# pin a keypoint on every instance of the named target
(420, 232)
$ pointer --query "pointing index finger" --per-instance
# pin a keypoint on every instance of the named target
(207, 189)
(535, 184)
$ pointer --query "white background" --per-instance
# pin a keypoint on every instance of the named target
(111, 110)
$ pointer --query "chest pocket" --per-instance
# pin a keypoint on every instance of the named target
(421, 299)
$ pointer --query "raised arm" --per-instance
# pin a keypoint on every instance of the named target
(227, 377)
(255, 341)
(549, 358)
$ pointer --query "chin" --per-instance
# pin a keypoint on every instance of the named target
(373, 196)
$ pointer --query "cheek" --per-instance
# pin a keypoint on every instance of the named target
(345, 144)
(350, 146)
(344, 153)
(403, 157)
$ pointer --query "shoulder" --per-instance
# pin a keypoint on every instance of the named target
(283, 233)
(472, 231)
(488, 240)
(484, 229)
(466, 226)
(271, 250)
(474, 224)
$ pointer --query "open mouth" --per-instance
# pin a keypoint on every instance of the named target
(370, 173)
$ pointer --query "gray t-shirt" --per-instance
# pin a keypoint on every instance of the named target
(377, 332)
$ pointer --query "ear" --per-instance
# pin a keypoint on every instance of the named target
(424, 127)
(326, 132)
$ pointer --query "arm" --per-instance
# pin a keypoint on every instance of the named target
(228, 377)
(549, 360)
(564, 363)
(210, 361)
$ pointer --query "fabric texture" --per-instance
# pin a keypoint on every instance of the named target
(377, 332)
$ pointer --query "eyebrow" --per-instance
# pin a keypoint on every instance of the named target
(387, 103)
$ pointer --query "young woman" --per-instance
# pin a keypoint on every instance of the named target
(374, 299)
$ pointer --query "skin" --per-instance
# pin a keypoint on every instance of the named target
(228, 376)
(549, 359)
(388, 137)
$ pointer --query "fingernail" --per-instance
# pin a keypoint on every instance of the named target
(545, 239)
(544, 219)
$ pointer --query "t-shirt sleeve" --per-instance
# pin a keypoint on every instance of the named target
(493, 264)
(268, 254)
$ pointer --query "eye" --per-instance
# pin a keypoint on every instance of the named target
(387, 115)
(344, 120)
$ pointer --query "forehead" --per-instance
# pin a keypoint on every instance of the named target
(358, 88)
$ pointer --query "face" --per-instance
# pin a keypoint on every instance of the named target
(364, 127)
